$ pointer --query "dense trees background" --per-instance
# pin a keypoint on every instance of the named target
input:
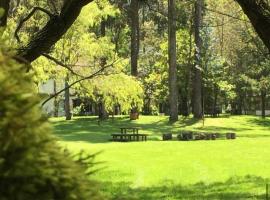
(137, 31)
(173, 57)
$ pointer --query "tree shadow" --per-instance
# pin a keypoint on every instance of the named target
(90, 129)
(248, 187)
(260, 122)
(221, 129)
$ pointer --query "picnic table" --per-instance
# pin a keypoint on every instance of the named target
(129, 134)
(124, 130)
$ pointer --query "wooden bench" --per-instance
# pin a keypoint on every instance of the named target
(128, 137)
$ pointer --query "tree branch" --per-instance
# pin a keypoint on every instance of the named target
(258, 13)
(97, 73)
(35, 9)
(55, 28)
(58, 62)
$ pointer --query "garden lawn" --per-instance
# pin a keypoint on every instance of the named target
(172, 170)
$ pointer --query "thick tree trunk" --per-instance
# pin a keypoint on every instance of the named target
(4, 4)
(173, 90)
(67, 100)
(103, 114)
(258, 14)
(55, 28)
(263, 95)
(135, 36)
(197, 82)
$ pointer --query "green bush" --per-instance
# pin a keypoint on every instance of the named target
(32, 165)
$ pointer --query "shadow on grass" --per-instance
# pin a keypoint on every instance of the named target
(260, 122)
(221, 129)
(249, 187)
(89, 129)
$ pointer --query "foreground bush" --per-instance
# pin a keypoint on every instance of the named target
(32, 165)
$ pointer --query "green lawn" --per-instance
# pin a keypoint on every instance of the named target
(152, 170)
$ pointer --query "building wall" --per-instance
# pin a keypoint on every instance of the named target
(259, 112)
(48, 89)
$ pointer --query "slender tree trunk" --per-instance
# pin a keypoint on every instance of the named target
(197, 84)
(214, 110)
(135, 36)
(67, 100)
(263, 95)
(184, 110)
(56, 104)
(240, 104)
(173, 90)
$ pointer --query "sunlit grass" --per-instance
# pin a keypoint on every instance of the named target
(221, 169)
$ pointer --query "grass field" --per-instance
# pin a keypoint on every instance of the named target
(172, 170)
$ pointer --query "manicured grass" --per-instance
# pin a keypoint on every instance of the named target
(221, 169)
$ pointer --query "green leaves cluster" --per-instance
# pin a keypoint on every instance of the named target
(32, 164)
(115, 89)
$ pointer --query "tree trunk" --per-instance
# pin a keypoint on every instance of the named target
(197, 84)
(184, 106)
(135, 36)
(55, 28)
(240, 105)
(263, 95)
(258, 14)
(4, 4)
(56, 104)
(103, 114)
(67, 100)
(173, 91)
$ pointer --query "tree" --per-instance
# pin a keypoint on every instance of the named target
(173, 91)
(114, 90)
(55, 28)
(135, 35)
(197, 81)
(32, 163)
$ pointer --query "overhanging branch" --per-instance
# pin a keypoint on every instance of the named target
(58, 62)
(35, 9)
(55, 28)
(97, 73)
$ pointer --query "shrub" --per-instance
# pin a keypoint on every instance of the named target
(32, 164)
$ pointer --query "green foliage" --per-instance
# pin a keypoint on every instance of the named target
(32, 164)
(116, 89)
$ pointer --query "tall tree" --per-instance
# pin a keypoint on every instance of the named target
(135, 36)
(197, 81)
(173, 90)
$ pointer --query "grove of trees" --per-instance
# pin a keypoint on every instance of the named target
(141, 37)
(150, 56)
